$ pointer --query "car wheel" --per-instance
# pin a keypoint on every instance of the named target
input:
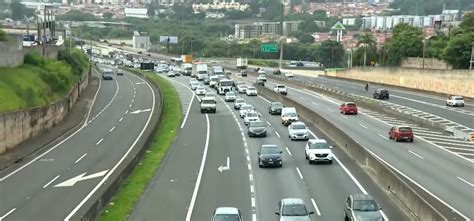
(345, 217)
(355, 113)
(310, 162)
(462, 105)
(411, 140)
(396, 139)
(306, 156)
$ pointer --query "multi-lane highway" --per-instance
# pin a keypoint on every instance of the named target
(213, 163)
(56, 182)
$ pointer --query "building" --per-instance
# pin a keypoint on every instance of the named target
(388, 22)
(220, 6)
(245, 31)
(141, 41)
(290, 26)
(255, 30)
(136, 12)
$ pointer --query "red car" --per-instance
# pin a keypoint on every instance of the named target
(401, 133)
(348, 108)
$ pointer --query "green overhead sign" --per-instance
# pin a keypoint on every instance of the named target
(267, 48)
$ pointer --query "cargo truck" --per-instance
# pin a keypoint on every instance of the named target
(187, 58)
(242, 63)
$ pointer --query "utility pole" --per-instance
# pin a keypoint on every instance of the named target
(424, 47)
(472, 57)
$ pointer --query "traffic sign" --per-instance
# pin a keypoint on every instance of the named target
(265, 48)
(338, 26)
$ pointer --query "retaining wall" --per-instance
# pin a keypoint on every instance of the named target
(17, 126)
(12, 51)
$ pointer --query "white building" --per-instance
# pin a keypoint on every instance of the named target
(220, 5)
(141, 41)
(388, 22)
(136, 12)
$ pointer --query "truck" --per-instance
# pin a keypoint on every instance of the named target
(242, 63)
(187, 69)
(201, 71)
(217, 70)
(187, 58)
(225, 85)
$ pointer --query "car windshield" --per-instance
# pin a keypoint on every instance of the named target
(318, 145)
(246, 108)
(195, 84)
(251, 88)
(277, 105)
(230, 94)
(209, 95)
(269, 150)
(226, 83)
(281, 86)
(226, 217)
(351, 105)
(365, 205)
(405, 129)
(252, 114)
(201, 88)
(257, 124)
(299, 126)
(208, 101)
(294, 210)
(458, 98)
(244, 86)
(291, 114)
(240, 101)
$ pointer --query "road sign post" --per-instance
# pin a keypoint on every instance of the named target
(269, 48)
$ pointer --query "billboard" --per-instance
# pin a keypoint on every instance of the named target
(171, 39)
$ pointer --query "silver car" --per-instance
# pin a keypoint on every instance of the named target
(362, 207)
(238, 103)
(298, 131)
(293, 209)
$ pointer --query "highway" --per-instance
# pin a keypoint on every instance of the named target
(56, 182)
(208, 142)
(447, 175)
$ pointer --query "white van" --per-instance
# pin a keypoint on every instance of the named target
(288, 115)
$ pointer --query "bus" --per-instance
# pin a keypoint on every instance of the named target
(225, 85)
(176, 61)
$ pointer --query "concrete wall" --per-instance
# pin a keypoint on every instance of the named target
(458, 82)
(12, 52)
(17, 126)
(430, 63)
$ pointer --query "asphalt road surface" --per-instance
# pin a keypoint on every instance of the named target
(56, 182)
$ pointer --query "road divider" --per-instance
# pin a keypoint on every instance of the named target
(399, 189)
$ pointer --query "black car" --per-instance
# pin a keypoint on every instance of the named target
(275, 108)
(257, 129)
(270, 155)
(260, 82)
(381, 94)
(243, 73)
(277, 72)
(119, 73)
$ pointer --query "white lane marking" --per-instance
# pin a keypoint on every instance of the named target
(302, 98)
(264, 99)
(343, 116)
(465, 181)
(80, 158)
(382, 136)
(315, 207)
(112, 129)
(120, 120)
(8, 213)
(201, 170)
(49, 183)
(312, 134)
(269, 124)
(126, 112)
(187, 112)
(252, 200)
(299, 172)
(81, 177)
(100, 141)
(329, 109)
(363, 126)
(361, 188)
(93, 102)
(68, 217)
(276, 132)
(417, 155)
(130, 105)
(254, 217)
(288, 150)
(133, 100)
(314, 103)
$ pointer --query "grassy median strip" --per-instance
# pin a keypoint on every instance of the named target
(130, 192)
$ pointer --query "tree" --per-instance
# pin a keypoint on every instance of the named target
(366, 40)
(329, 53)
(3, 35)
(459, 47)
(76, 15)
(107, 15)
(19, 11)
(306, 38)
(406, 42)
(151, 11)
(308, 26)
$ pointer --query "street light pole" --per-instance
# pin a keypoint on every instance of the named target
(472, 57)
(281, 54)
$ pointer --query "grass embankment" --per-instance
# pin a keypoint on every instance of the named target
(130, 192)
(40, 81)
(263, 63)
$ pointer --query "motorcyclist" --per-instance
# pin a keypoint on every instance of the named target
(366, 86)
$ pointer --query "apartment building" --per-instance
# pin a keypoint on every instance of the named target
(255, 30)
(388, 22)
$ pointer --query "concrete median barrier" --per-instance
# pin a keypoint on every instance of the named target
(388, 179)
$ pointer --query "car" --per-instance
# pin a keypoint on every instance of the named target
(251, 116)
(208, 105)
(238, 103)
(107, 76)
(257, 129)
(455, 101)
(210, 95)
(275, 108)
(244, 109)
(171, 74)
(398, 133)
(242, 88)
(289, 75)
(298, 131)
(191, 81)
(230, 96)
(318, 150)
(200, 90)
(362, 207)
(227, 214)
(251, 91)
(288, 115)
(262, 77)
(195, 85)
(261, 71)
(243, 74)
(277, 72)
(119, 73)
(381, 94)
(213, 81)
(260, 82)
(269, 155)
(206, 80)
(293, 209)
(348, 108)
(280, 88)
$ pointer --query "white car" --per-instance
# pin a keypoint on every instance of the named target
(244, 109)
(298, 131)
(230, 96)
(171, 74)
(262, 77)
(455, 101)
(261, 71)
(238, 103)
(191, 81)
(289, 75)
(318, 150)
(227, 213)
(200, 90)
(251, 91)
(210, 95)
(194, 85)
(251, 116)
(243, 88)
(280, 88)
